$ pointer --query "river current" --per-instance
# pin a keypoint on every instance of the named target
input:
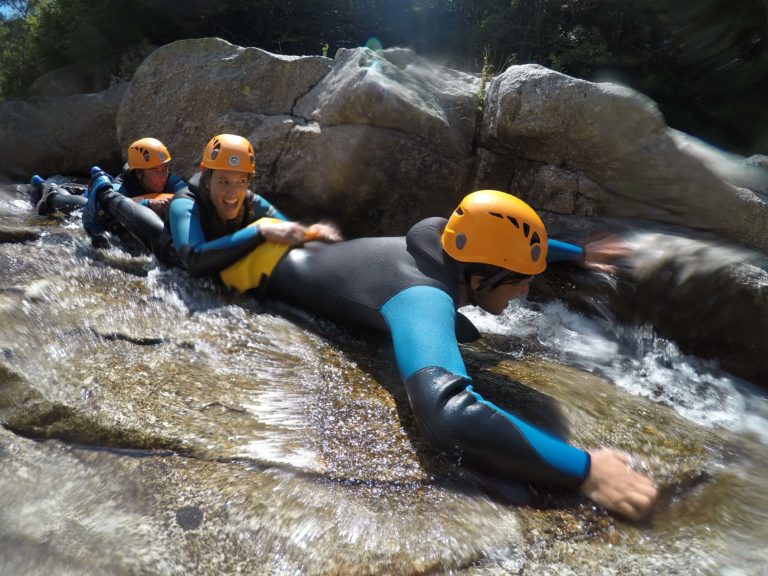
(154, 424)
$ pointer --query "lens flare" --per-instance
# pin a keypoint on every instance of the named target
(374, 44)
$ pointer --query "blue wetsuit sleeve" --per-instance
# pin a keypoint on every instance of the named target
(558, 251)
(422, 322)
(263, 208)
(455, 417)
(202, 257)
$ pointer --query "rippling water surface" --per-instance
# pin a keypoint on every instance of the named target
(283, 444)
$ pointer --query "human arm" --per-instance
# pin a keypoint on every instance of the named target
(319, 231)
(596, 255)
(202, 257)
(451, 415)
(197, 254)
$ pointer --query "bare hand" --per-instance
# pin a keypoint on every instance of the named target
(601, 254)
(323, 232)
(159, 206)
(613, 484)
(291, 233)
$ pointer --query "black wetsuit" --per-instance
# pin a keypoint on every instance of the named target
(53, 197)
(408, 287)
(137, 217)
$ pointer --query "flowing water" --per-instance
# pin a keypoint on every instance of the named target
(158, 425)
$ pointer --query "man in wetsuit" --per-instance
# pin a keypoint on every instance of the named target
(486, 254)
(137, 199)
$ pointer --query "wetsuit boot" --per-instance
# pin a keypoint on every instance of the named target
(35, 189)
(93, 217)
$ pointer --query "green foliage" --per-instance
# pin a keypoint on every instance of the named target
(695, 57)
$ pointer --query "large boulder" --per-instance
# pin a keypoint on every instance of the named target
(60, 134)
(72, 79)
(186, 92)
(367, 137)
(615, 138)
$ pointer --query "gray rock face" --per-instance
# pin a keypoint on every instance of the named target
(189, 91)
(616, 139)
(60, 134)
(351, 138)
(72, 79)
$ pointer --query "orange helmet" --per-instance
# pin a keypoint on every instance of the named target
(491, 227)
(229, 152)
(147, 153)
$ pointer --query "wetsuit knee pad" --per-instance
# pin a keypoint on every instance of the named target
(252, 270)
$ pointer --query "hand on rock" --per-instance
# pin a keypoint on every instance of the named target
(613, 484)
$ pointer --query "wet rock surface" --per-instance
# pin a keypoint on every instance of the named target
(153, 424)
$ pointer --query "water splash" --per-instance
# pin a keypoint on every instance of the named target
(634, 358)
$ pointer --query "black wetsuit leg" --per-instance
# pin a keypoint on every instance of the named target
(67, 203)
(56, 198)
(140, 221)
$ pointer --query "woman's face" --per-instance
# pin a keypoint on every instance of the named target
(228, 189)
(154, 179)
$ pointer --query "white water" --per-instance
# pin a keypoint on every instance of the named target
(635, 359)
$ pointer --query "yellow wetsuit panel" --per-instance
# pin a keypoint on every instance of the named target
(250, 271)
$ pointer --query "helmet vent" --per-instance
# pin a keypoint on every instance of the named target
(459, 211)
(496, 214)
(536, 252)
(215, 150)
(526, 229)
(535, 239)
(514, 221)
(461, 241)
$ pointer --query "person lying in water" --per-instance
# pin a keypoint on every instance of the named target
(485, 254)
(137, 199)
(218, 220)
(145, 179)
